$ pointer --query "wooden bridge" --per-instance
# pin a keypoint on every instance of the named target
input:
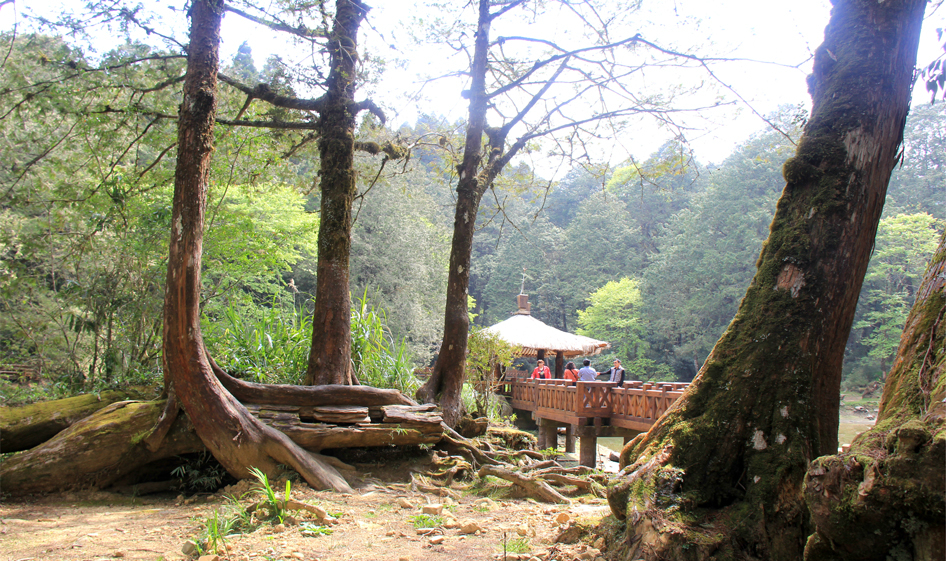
(589, 409)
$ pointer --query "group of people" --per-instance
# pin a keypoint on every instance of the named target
(586, 374)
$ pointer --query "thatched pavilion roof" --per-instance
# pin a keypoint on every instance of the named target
(531, 335)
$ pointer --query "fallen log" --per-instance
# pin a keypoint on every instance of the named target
(26, 426)
(422, 414)
(536, 488)
(323, 437)
(97, 451)
(334, 394)
(336, 414)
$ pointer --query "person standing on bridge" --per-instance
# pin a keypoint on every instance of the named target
(616, 373)
(541, 371)
(587, 373)
(571, 373)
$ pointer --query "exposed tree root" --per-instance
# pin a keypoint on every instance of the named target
(535, 487)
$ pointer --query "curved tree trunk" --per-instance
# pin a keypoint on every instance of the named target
(886, 497)
(729, 458)
(330, 355)
(235, 438)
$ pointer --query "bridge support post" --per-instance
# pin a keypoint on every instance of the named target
(569, 439)
(548, 434)
(588, 446)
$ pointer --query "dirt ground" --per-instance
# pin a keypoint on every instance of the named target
(374, 523)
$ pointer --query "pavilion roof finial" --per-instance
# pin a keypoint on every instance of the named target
(522, 287)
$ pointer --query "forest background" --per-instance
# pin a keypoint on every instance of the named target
(651, 254)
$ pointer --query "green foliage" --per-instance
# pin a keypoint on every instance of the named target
(268, 345)
(313, 530)
(614, 315)
(426, 521)
(275, 507)
(902, 249)
(200, 473)
(486, 352)
(516, 545)
(377, 358)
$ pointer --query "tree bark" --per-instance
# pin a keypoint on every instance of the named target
(446, 381)
(330, 355)
(96, 451)
(235, 438)
(732, 453)
(886, 497)
(24, 427)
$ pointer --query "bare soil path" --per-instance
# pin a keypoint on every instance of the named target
(373, 524)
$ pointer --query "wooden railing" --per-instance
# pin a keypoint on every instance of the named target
(636, 405)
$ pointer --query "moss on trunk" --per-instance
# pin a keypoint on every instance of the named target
(724, 467)
(885, 498)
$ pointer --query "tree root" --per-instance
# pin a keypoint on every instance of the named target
(535, 487)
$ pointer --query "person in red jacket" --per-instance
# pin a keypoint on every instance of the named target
(541, 371)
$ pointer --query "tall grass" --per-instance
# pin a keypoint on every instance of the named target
(377, 358)
(271, 345)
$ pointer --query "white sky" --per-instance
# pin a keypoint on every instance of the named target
(778, 32)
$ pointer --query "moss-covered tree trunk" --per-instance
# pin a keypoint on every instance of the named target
(330, 355)
(886, 497)
(721, 473)
(97, 451)
(236, 439)
(30, 425)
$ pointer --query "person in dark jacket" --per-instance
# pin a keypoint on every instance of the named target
(615, 373)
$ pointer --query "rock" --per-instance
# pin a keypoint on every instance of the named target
(523, 530)
(404, 558)
(118, 554)
(589, 554)
(488, 504)
(279, 528)
(404, 503)
(470, 527)
(600, 544)
(569, 534)
(436, 540)
(450, 522)
(209, 558)
(290, 521)
(432, 509)
(562, 518)
(189, 548)
(390, 533)
(296, 555)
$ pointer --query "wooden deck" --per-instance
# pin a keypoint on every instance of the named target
(635, 406)
(591, 408)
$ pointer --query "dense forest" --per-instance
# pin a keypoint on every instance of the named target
(653, 255)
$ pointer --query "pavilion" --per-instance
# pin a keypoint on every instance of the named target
(536, 339)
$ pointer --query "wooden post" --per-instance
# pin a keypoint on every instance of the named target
(569, 439)
(541, 443)
(588, 447)
(549, 429)
(559, 364)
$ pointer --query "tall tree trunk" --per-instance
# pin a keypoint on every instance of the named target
(235, 438)
(886, 497)
(446, 380)
(330, 355)
(731, 456)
